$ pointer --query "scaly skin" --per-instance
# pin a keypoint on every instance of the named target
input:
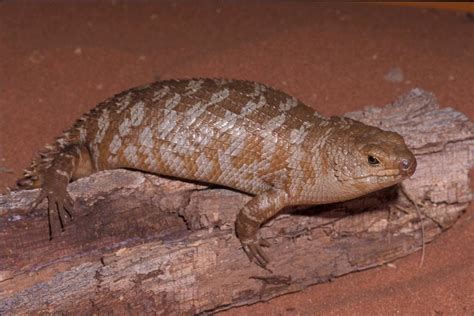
(239, 134)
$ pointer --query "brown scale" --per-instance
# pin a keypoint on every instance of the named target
(239, 134)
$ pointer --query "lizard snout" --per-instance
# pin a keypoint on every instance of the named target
(407, 165)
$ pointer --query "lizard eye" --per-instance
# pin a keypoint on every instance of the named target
(372, 160)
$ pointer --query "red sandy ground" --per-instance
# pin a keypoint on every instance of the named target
(59, 60)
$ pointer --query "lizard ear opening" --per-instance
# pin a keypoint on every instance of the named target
(372, 160)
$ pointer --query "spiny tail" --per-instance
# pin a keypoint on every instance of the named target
(32, 176)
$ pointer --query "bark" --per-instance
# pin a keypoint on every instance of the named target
(144, 244)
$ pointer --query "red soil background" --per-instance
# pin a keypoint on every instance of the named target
(57, 60)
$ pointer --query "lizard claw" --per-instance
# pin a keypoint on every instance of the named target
(253, 249)
(58, 201)
(37, 201)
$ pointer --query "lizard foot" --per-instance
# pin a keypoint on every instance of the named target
(253, 249)
(59, 201)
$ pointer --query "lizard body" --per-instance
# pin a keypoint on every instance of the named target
(239, 134)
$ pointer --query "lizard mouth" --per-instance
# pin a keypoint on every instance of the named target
(382, 174)
(387, 176)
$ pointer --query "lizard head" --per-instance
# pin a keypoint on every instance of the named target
(368, 159)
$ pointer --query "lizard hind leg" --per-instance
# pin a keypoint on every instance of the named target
(69, 163)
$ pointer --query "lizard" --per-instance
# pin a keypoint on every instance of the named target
(239, 134)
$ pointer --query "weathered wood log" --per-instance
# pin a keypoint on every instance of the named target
(141, 243)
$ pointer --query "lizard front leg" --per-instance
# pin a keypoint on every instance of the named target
(256, 212)
(70, 163)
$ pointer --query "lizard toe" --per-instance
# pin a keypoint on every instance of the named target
(59, 202)
(43, 195)
(254, 251)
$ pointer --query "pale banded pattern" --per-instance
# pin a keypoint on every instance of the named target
(146, 138)
(296, 172)
(102, 126)
(258, 90)
(274, 123)
(137, 113)
(205, 166)
(123, 102)
(157, 95)
(297, 136)
(102, 123)
(115, 144)
(239, 134)
(169, 119)
(288, 104)
(125, 127)
(172, 161)
(171, 103)
(131, 154)
(82, 134)
(322, 138)
(194, 86)
(251, 106)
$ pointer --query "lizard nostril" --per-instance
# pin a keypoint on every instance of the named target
(408, 166)
(405, 164)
